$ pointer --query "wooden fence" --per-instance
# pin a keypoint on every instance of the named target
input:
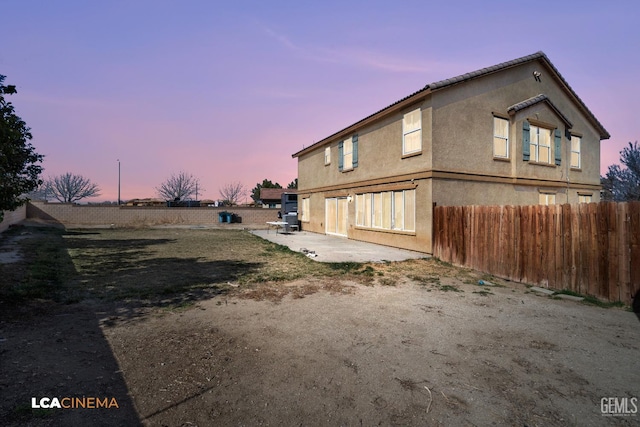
(592, 249)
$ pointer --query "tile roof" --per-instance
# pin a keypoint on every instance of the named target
(535, 100)
(485, 71)
(274, 193)
(443, 84)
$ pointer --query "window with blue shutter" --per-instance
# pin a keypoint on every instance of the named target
(340, 155)
(355, 150)
(525, 141)
(558, 146)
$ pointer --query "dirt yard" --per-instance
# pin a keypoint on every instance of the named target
(408, 343)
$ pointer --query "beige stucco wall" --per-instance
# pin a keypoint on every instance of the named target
(420, 240)
(131, 216)
(459, 193)
(379, 155)
(13, 217)
(463, 126)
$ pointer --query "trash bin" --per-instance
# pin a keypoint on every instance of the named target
(222, 216)
(292, 220)
(229, 216)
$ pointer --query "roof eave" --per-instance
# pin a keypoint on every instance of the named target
(442, 84)
(604, 134)
(398, 105)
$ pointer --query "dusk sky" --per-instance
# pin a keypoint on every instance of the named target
(229, 90)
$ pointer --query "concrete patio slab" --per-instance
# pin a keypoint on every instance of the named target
(338, 249)
(542, 290)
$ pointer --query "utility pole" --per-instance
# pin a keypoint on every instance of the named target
(118, 182)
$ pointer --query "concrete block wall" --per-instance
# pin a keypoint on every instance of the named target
(14, 217)
(131, 216)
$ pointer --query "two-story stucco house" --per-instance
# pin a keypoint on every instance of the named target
(514, 133)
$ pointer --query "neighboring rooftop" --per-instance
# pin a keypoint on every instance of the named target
(274, 193)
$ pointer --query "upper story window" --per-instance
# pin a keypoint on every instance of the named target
(500, 138)
(540, 143)
(536, 144)
(327, 155)
(348, 154)
(412, 132)
(576, 160)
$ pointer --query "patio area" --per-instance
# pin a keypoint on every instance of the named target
(337, 249)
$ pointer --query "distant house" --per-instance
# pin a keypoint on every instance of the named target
(272, 197)
(513, 133)
(146, 202)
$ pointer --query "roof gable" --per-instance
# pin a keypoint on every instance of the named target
(536, 100)
(444, 84)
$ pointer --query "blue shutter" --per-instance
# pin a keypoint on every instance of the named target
(558, 146)
(526, 154)
(355, 150)
(340, 155)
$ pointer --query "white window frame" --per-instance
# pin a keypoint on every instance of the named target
(585, 198)
(366, 211)
(500, 138)
(347, 154)
(534, 143)
(407, 130)
(327, 156)
(578, 152)
(547, 199)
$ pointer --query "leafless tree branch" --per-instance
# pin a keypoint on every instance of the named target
(232, 193)
(179, 186)
(69, 188)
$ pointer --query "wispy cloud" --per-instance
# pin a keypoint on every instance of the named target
(378, 60)
(356, 56)
(281, 39)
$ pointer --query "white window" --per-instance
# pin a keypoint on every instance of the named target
(412, 132)
(547, 199)
(500, 138)
(327, 155)
(585, 198)
(540, 144)
(389, 210)
(376, 212)
(305, 209)
(347, 154)
(576, 161)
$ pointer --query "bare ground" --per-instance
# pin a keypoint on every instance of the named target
(424, 346)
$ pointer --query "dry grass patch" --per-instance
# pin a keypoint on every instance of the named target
(173, 267)
(170, 267)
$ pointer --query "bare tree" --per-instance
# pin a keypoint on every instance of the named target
(69, 187)
(232, 193)
(41, 193)
(179, 186)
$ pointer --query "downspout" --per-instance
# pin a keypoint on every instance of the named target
(567, 135)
